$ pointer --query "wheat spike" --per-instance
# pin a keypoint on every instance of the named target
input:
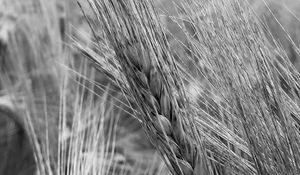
(238, 69)
(154, 82)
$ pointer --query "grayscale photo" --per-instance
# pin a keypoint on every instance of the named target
(149, 87)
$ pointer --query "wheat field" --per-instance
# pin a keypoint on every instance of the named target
(149, 87)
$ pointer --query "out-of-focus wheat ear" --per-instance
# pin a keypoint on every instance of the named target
(14, 142)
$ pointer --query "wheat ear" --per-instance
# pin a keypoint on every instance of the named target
(142, 50)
